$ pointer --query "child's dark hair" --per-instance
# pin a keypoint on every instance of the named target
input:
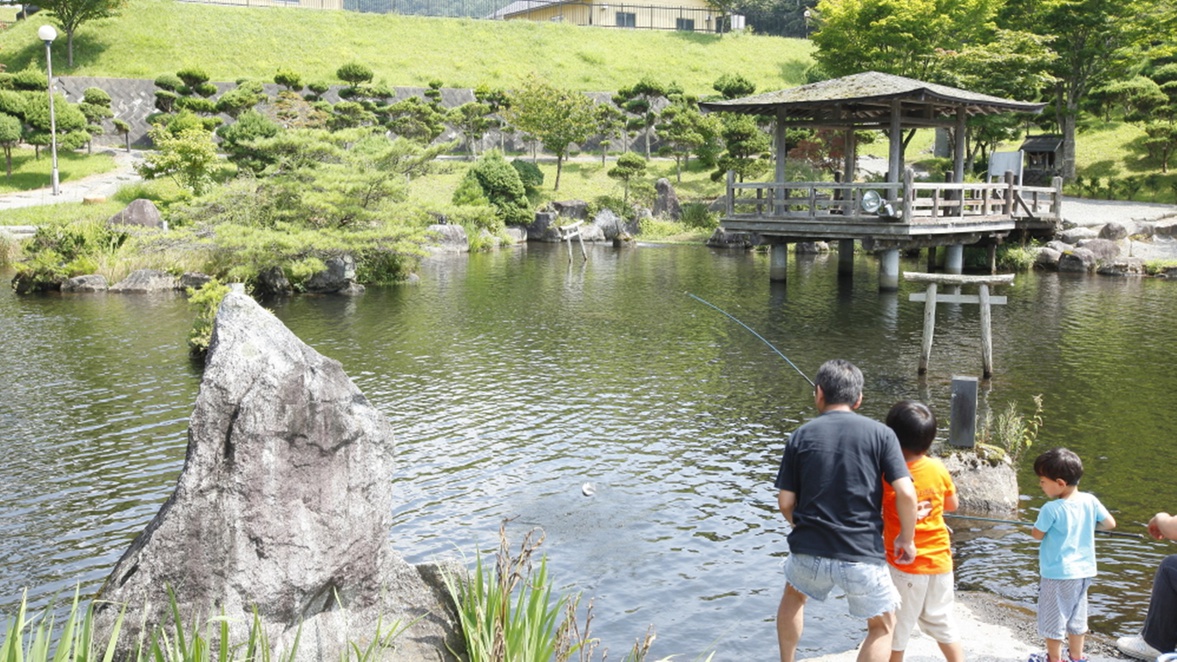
(1059, 463)
(914, 424)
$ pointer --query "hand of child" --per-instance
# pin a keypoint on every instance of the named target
(904, 551)
(1154, 526)
(923, 510)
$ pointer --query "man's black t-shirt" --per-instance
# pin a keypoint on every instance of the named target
(836, 465)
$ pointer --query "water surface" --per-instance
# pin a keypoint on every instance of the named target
(512, 378)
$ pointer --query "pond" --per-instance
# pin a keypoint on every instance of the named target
(512, 378)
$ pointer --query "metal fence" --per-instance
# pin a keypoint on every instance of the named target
(605, 14)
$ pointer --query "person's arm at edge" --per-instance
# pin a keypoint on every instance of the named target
(1163, 526)
(786, 501)
(1038, 535)
(1106, 524)
(905, 506)
(951, 503)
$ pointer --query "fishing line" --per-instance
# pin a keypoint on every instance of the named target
(753, 332)
(1120, 534)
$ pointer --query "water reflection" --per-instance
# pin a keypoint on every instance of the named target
(512, 378)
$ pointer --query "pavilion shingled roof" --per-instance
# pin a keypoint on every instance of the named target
(866, 98)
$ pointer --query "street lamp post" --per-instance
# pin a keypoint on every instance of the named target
(47, 34)
(806, 16)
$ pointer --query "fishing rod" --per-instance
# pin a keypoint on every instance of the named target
(1119, 534)
(753, 332)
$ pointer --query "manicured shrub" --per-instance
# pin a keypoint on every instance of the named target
(192, 77)
(196, 105)
(288, 79)
(354, 73)
(503, 187)
(30, 78)
(529, 173)
(169, 82)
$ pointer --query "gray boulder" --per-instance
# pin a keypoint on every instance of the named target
(517, 233)
(89, 283)
(140, 213)
(1060, 246)
(1104, 249)
(571, 210)
(611, 226)
(339, 275)
(811, 247)
(193, 280)
(1047, 258)
(1073, 235)
(1121, 266)
(1079, 260)
(145, 281)
(724, 239)
(666, 203)
(284, 505)
(272, 281)
(982, 485)
(1113, 231)
(543, 228)
(448, 239)
(592, 233)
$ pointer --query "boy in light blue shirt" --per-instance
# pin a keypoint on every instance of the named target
(1066, 559)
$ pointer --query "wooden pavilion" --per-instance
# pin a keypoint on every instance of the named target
(889, 216)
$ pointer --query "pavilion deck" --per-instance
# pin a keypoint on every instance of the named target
(921, 213)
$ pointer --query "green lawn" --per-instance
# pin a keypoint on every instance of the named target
(152, 37)
(30, 172)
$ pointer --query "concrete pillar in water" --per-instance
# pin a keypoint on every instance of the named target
(889, 270)
(845, 257)
(953, 259)
(778, 265)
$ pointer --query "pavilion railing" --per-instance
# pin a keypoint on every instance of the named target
(906, 202)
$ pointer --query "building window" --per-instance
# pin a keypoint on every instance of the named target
(684, 24)
(627, 19)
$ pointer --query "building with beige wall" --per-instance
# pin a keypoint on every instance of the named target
(686, 15)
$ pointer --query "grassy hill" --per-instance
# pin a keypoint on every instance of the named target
(151, 37)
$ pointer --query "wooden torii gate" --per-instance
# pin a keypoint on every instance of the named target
(930, 297)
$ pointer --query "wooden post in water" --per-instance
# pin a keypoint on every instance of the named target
(929, 328)
(930, 297)
(962, 427)
(986, 334)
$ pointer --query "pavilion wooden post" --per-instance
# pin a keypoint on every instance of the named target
(931, 297)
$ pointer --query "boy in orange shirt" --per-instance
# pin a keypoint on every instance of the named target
(927, 584)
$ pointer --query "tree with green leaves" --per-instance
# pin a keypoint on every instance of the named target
(629, 167)
(10, 135)
(247, 95)
(642, 100)
(610, 123)
(472, 120)
(414, 119)
(1161, 141)
(734, 86)
(685, 129)
(188, 156)
(355, 74)
(1092, 40)
(95, 105)
(746, 146)
(72, 14)
(70, 123)
(557, 117)
(123, 128)
(238, 141)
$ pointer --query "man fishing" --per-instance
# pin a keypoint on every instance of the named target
(830, 486)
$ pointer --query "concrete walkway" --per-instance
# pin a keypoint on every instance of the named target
(101, 185)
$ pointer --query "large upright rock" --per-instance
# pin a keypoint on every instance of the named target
(284, 504)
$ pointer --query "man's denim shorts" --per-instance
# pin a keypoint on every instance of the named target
(868, 587)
